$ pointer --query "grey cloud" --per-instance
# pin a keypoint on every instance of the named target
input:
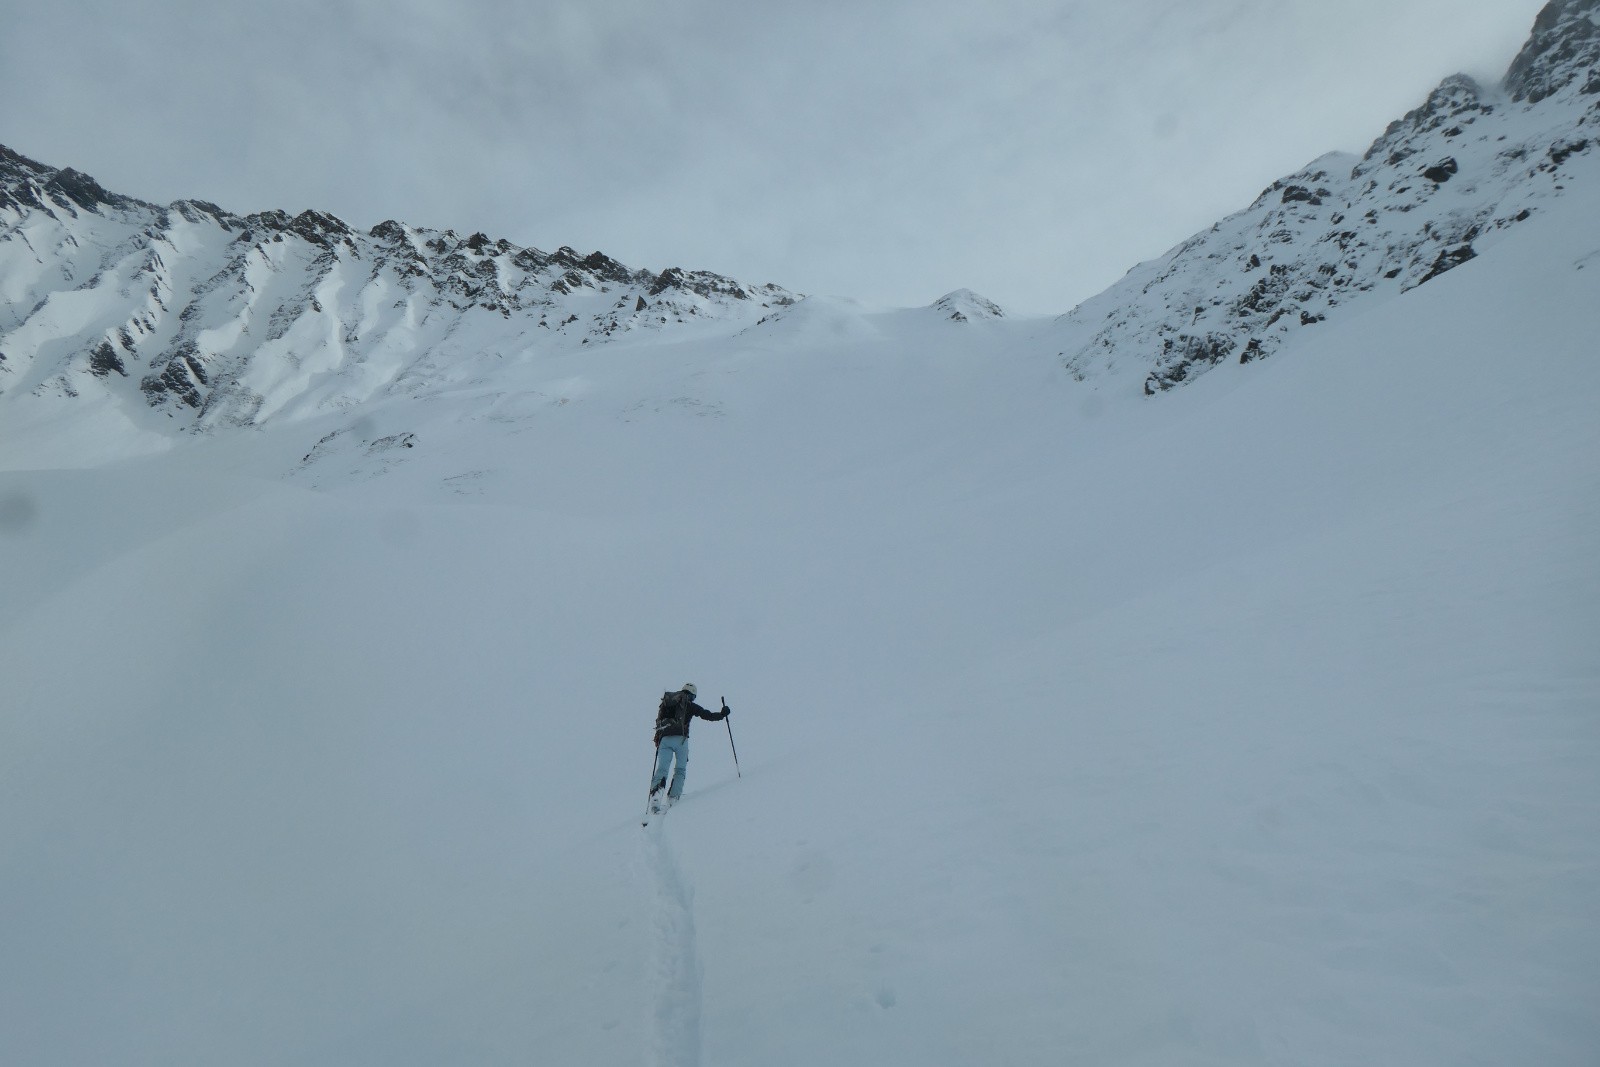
(894, 151)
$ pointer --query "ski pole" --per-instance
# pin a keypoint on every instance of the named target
(737, 772)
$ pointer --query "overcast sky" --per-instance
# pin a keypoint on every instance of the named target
(891, 151)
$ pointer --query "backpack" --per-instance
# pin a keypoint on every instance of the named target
(674, 711)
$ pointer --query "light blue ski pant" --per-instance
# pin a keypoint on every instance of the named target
(671, 749)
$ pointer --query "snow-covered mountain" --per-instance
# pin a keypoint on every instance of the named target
(1252, 726)
(1439, 187)
(221, 319)
(217, 319)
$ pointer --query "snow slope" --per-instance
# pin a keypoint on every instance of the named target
(1254, 726)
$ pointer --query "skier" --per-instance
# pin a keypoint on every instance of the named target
(672, 742)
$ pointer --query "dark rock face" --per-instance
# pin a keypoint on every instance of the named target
(389, 232)
(1300, 194)
(104, 359)
(1564, 45)
(698, 282)
(1182, 355)
(1562, 151)
(25, 183)
(605, 268)
(182, 378)
(318, 228)
(1441, 171)
(78, 187)
(1448, 259)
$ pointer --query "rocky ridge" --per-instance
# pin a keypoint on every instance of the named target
(1434, 191)
(216, 318)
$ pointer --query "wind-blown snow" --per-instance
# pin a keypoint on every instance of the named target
(1256, 725)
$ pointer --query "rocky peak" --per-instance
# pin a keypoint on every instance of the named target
(319, 228)
(27, 183)
(964, 305)
(201, 211)
(274, 221)
(1439, 188)
(1454, 105)
(1565, 44)
(16, 167)
(1311, 184)
(388, 231)
(604, 267)
(703, 284)
(79, 188)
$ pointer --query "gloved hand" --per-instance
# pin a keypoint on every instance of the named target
(726, 710)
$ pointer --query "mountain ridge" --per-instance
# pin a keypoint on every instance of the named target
(1432, 192)
(214, 319)
(213, 313)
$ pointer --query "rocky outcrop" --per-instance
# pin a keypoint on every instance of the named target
(1564, 48)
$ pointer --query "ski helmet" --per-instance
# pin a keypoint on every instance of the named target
(688, 687)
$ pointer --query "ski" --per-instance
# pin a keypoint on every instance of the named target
(653, 809)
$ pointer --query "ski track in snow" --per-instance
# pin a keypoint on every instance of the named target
(675, 965)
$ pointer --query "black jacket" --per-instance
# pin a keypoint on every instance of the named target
(678, 710)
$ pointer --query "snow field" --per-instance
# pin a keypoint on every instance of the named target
(1255, 724)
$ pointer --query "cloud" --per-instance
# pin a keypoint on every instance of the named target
(891, 150)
